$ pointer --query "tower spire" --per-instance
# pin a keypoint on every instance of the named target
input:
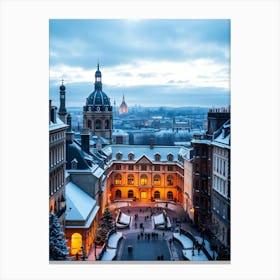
(62, 108)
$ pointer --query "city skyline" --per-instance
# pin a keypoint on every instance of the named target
(174, 63)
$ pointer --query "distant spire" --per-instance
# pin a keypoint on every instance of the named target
(62, 81)
(98, 65)
(123, 97)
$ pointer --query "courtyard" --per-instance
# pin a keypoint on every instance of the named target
(142, 241)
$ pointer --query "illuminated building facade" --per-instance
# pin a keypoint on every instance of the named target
(145, 173)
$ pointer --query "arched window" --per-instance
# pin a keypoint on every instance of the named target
(156, 195)
(118, 179)
(130, 156)
(157, 157)
(76, 243)
(107, 124)
(170, 195)
(98, 124)
(130, 194)
(157, 180)
(118, 194)
(89, 124)
(130, 179)
(143, 179)
(169, 180)
(170, 157)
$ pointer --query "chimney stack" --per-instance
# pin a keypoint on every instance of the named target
(85, 140)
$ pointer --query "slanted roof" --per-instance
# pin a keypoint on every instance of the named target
(83, 207)
(74, 151)
(144, 150)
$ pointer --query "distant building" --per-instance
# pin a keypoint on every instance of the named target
(123, 107)
(57, 165)
(98, 112)
(120, 137)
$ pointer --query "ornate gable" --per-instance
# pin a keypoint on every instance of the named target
(143, 160)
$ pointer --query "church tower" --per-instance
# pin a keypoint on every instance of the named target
(98, 112)
(62, 109)
(123, 107)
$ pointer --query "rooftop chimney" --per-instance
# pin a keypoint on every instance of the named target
(85, 140)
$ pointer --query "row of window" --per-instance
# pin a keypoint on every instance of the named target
(130, 194)
(157, 157)
(220, 151)
(220, 208)
(57, 136)
(57, 180)
(144, 167)
(220, 186)
(143, 179)
(98, 124)
(57, 154)
(220, 165)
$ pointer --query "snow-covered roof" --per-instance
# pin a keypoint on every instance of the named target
(119, 132)
(222, 136)
(140, 150)
(159, 219)
(83, 207)
(98, 172)
(107, 150)
(59, 124)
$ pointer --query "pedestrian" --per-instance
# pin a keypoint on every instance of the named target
(163, 234)
(138, 236)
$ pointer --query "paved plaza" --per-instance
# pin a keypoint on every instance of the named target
(146, 243)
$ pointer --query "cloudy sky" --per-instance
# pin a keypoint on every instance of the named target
(152, 62)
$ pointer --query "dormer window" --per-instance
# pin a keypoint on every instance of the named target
(119, 156)
(170, 157)
(157, 157)
(74, 164)
(130, 156)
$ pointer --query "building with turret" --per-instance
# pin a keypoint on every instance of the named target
(98, 112)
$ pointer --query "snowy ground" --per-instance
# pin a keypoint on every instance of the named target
(197, 256)
(109, 254)
(187, 244)
(207, 246)
(114, 240)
